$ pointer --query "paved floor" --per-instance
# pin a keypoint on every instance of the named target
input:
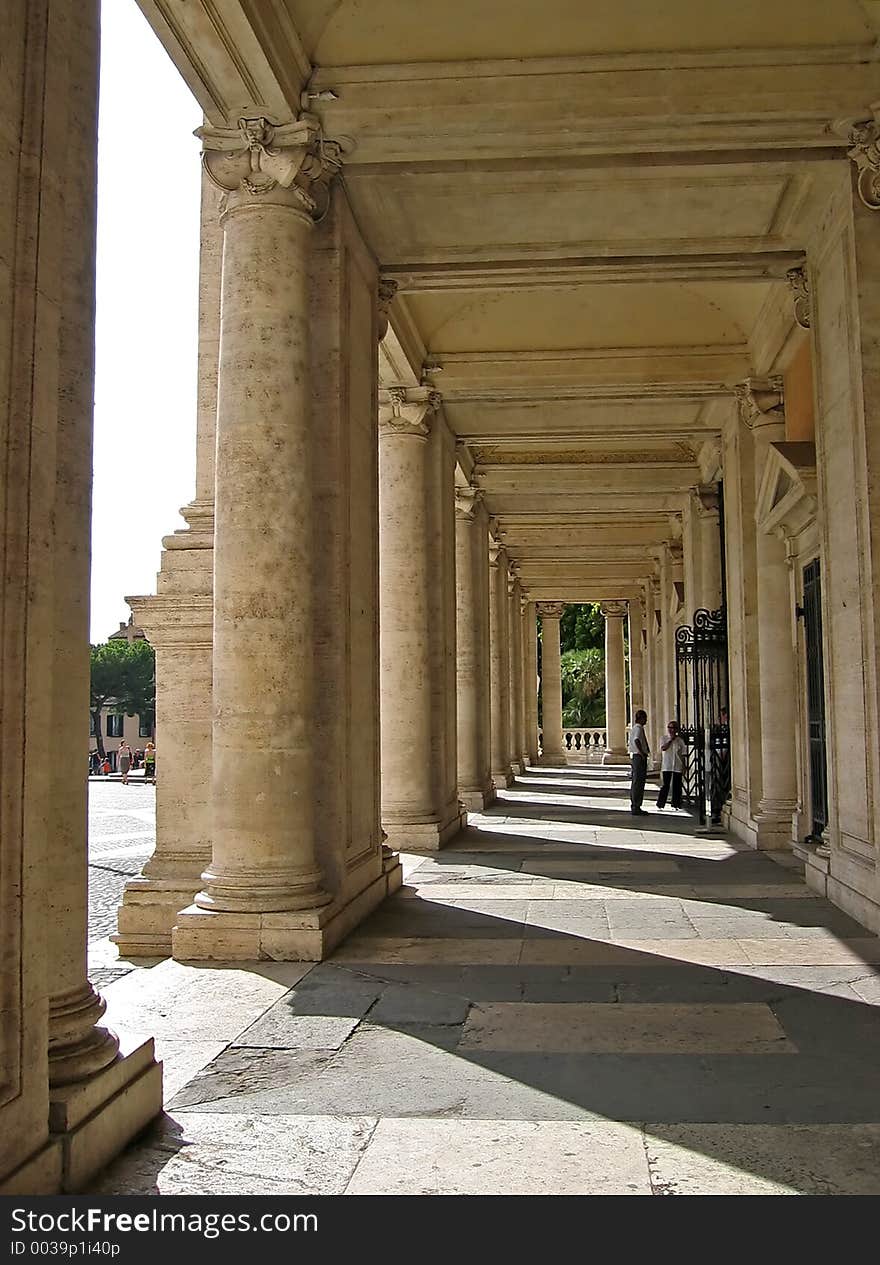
(569, 1000)
(122, 834)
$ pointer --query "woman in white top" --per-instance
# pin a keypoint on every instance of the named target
(673, 749)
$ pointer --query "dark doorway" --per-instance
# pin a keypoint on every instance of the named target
(812, 612)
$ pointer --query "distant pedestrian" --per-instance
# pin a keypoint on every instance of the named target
(94, 763)
(150, 762)
(673, 750)
(638, 750)
(105, 767)
(123, 761)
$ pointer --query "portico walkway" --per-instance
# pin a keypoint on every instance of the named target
(568, 1000)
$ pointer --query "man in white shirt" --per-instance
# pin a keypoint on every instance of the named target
(673, 751)
(638, 750)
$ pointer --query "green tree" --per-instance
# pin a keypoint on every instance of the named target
(582, 627)
(122, 673)
(583, 687)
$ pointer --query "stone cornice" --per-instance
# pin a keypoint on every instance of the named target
(407, 410)
(551, 610)
(259, 157)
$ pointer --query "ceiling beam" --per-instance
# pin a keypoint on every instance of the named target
(528, 274)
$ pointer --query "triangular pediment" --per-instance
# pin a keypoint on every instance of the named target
(786, 502)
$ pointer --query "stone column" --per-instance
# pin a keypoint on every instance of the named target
(530, 681)
(666, 681)
(615, 684)
(178, 622)
(776, 664)
(264, 861)
(709, 535)
(472, 660)
(411, 813)
(99, 1096)
(636, 660)
(515, 674)
(551, 684)
(649, 689)
(499, 659)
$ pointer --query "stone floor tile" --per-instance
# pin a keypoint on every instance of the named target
(735, 1028)
(811, 952)
(241, 1072)
(502, 1157)
(280, 1029)
(868, 989)
(787, 1159)
(189, 1003)
(410, 1004)
(701, 951)
(401, 949)
(199, 1154)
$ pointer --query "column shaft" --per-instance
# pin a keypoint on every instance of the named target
(499, 634)
(530, 681)
(551, 684)
(636, 660)
(615, 685)
(263, 845)
(472, 655)
(515, 674)
(776, 669)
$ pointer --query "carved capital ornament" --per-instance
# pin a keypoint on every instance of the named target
(407, 411)
(865, 153)
(551, 610)
(467, 502)
(259, 157)
(800, 289)
(760, 401)
(387, 291)
(614, 610)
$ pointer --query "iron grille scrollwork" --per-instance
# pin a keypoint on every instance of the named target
(702, 703)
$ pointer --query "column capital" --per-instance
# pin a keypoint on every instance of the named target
(799, 284)
(496, 549)
(258, 157)
(386, 292)
(614, 610)
(407, 410)
(864, 138)
(759, 401)
(467, 503)
(706, 498)
(551, 610)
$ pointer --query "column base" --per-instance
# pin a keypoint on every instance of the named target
(477, 801)
(203, 935)
(425, 836)
(517, 767)
(502, 779)
(149, 911)
(93, 1120)
(553, 760)
(773, 824)
(616, 757)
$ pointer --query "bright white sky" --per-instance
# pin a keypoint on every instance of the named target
(147, 321)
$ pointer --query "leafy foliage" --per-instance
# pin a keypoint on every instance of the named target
(582, 628)
(583, 687)
(123, 673)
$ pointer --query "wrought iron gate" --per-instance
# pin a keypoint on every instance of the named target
(812, 613)
(701, 685)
